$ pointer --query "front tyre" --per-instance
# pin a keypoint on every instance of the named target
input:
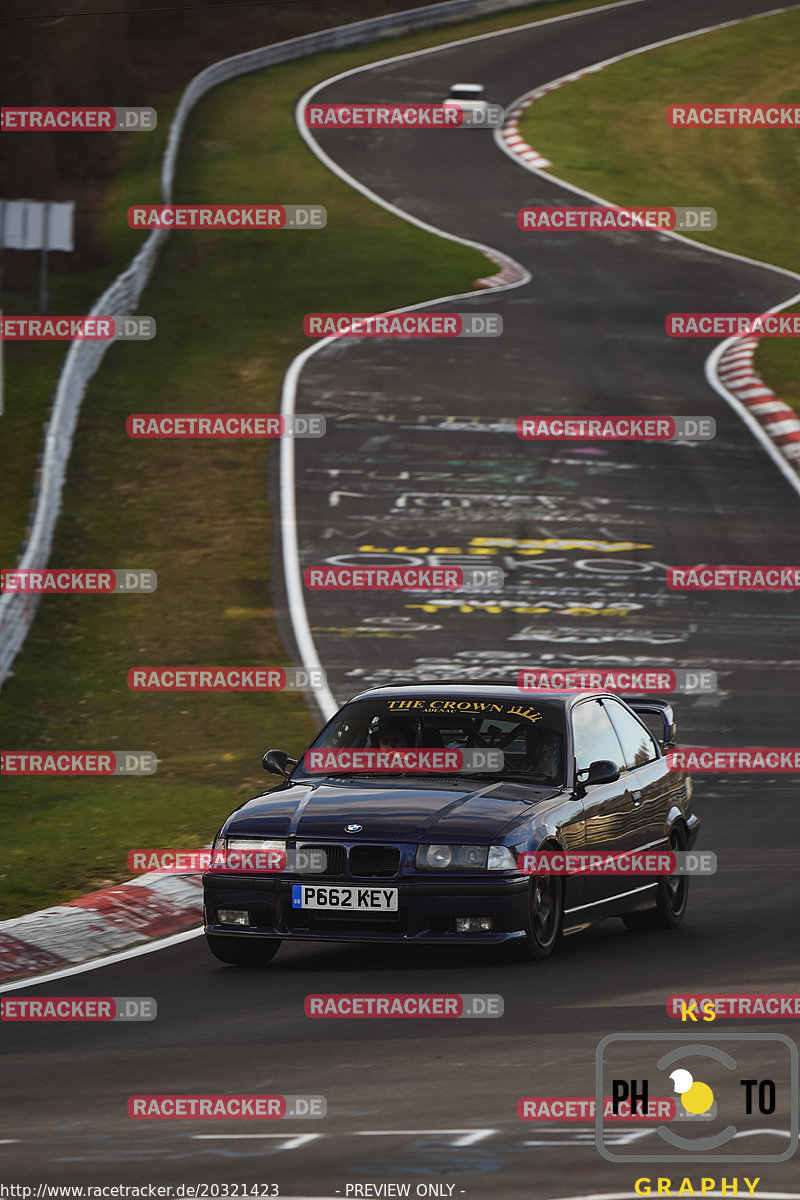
(672, 895)
(243, 951)
(545, 915)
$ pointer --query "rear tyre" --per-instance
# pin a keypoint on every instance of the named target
(545, 915)
(243, 951)
(672, 895)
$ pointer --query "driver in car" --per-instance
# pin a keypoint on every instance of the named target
(395, 735)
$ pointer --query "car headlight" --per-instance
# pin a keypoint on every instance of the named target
(501, 858)
(464, 858)
(248, 843)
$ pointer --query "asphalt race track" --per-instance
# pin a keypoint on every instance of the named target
(420, 460)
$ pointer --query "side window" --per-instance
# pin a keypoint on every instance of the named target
(594, 735)
(637, 744)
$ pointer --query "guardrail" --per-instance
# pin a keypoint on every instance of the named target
(17, 610)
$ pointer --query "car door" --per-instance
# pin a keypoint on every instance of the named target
(649, 779)
(611, 811)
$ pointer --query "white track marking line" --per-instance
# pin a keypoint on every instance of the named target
(292, 1143)
(469, 1136)
(147, 948)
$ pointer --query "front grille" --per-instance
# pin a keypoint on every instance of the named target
(336, 857)
(375, 861)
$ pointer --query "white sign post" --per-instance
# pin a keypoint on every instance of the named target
(34, 225)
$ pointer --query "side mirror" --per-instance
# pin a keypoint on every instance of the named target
(277, 762)
(602, 771)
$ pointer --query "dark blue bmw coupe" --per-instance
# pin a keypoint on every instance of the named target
(398, 825)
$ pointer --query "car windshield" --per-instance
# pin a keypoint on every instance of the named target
(466, 92)
(530, 736)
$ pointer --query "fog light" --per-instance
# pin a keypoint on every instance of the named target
(233, 916)
(474, 924)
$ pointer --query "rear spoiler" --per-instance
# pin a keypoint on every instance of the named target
(663, 713)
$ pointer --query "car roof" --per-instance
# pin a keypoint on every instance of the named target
(496, 689)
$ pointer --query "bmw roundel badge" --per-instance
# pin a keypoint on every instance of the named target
(353, 828)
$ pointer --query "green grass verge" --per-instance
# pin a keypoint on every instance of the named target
(607, 133)
(229, 308)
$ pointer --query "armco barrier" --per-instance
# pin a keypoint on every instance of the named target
(121, 298)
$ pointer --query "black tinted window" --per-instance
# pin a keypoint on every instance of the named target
(637, 744)
(594, 735)
(529, 734)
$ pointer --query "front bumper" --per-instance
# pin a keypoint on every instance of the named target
(427, 909)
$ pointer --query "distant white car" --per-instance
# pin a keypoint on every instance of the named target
(469, 97)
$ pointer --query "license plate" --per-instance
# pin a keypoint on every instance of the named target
(344, 899)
